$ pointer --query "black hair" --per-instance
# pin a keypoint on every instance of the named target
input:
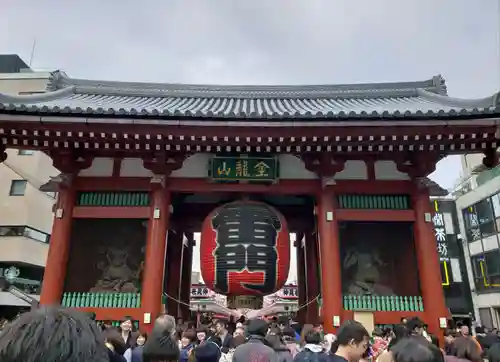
(113, 337)
(400, 332)
(52, 334)
(160, 348)
(313, 338)
(413, 324)
(349, 331)
(416, 350)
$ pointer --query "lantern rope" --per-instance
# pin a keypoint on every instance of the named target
(315, 299)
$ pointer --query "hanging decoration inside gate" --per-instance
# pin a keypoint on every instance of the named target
(245, 249)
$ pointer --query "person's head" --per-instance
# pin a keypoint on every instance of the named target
(399, 332)
(257, 327)
(415, 326)
(107, 324)
(201, 334)
(318, 327)
(449, 336)
(416, 349)
(403, 320)
(239, 331)
(466, 348)
(274, 340)
(142, 337)
(220, 327)
(312, 337)
(480, 330)
(58, 334)
(208, 352)
(493, 354)
(239, 340)
(352, 340)
(288, 334)
(126, 324)
(164, 325)
(305, 330)
(464, 330)
(212, 329)
(328, 340)
(114, 340)
(188, 338)
(377, 333)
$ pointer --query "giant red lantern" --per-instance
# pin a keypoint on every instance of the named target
(245, 249)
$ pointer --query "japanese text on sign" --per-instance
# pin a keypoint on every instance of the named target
(235, 168)
(440, 234)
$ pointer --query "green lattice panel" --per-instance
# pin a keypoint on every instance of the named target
(379, 303)
(374, 202)
(101, 300)
(108, 198)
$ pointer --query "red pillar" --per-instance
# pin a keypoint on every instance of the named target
(173, 271)
(156, 244)
(312, 277)
(329, 247)
(57, 259)
(187, 267)
(301, 279)
(429, 271)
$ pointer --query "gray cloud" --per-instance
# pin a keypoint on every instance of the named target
(264, 41)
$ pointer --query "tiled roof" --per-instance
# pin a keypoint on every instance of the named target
(434, 188)
(378, 100)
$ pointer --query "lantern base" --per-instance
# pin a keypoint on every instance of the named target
(245, 302)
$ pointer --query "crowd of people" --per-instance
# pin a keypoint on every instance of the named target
(63, 335)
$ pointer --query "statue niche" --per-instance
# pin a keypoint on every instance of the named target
(364, 274)
(117, 275)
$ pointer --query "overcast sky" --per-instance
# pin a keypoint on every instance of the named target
(264, 41)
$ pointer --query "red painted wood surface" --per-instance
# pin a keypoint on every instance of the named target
(57, 258)
(201, 185)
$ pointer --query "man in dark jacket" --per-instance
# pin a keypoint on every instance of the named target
(256, 348)
(164, 325)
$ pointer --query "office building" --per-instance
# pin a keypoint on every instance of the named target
(25, 212)
(478, 206)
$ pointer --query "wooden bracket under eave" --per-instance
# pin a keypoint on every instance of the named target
(490, 159)
(70, 162)
(324, 165)
(164, 164)
(418, 165)
(3, 153)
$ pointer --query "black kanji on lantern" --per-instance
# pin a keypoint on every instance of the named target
(246, 239)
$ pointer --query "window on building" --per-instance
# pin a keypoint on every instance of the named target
(486, 218)
(486, 270)
(472, 232)
(480, 220)
(486, 317)
(495, 202)
(25, 152)
(18, 187)
(22, 230)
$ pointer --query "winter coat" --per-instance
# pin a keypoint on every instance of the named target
(255, 349)
(311, 353)
(283, 354)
